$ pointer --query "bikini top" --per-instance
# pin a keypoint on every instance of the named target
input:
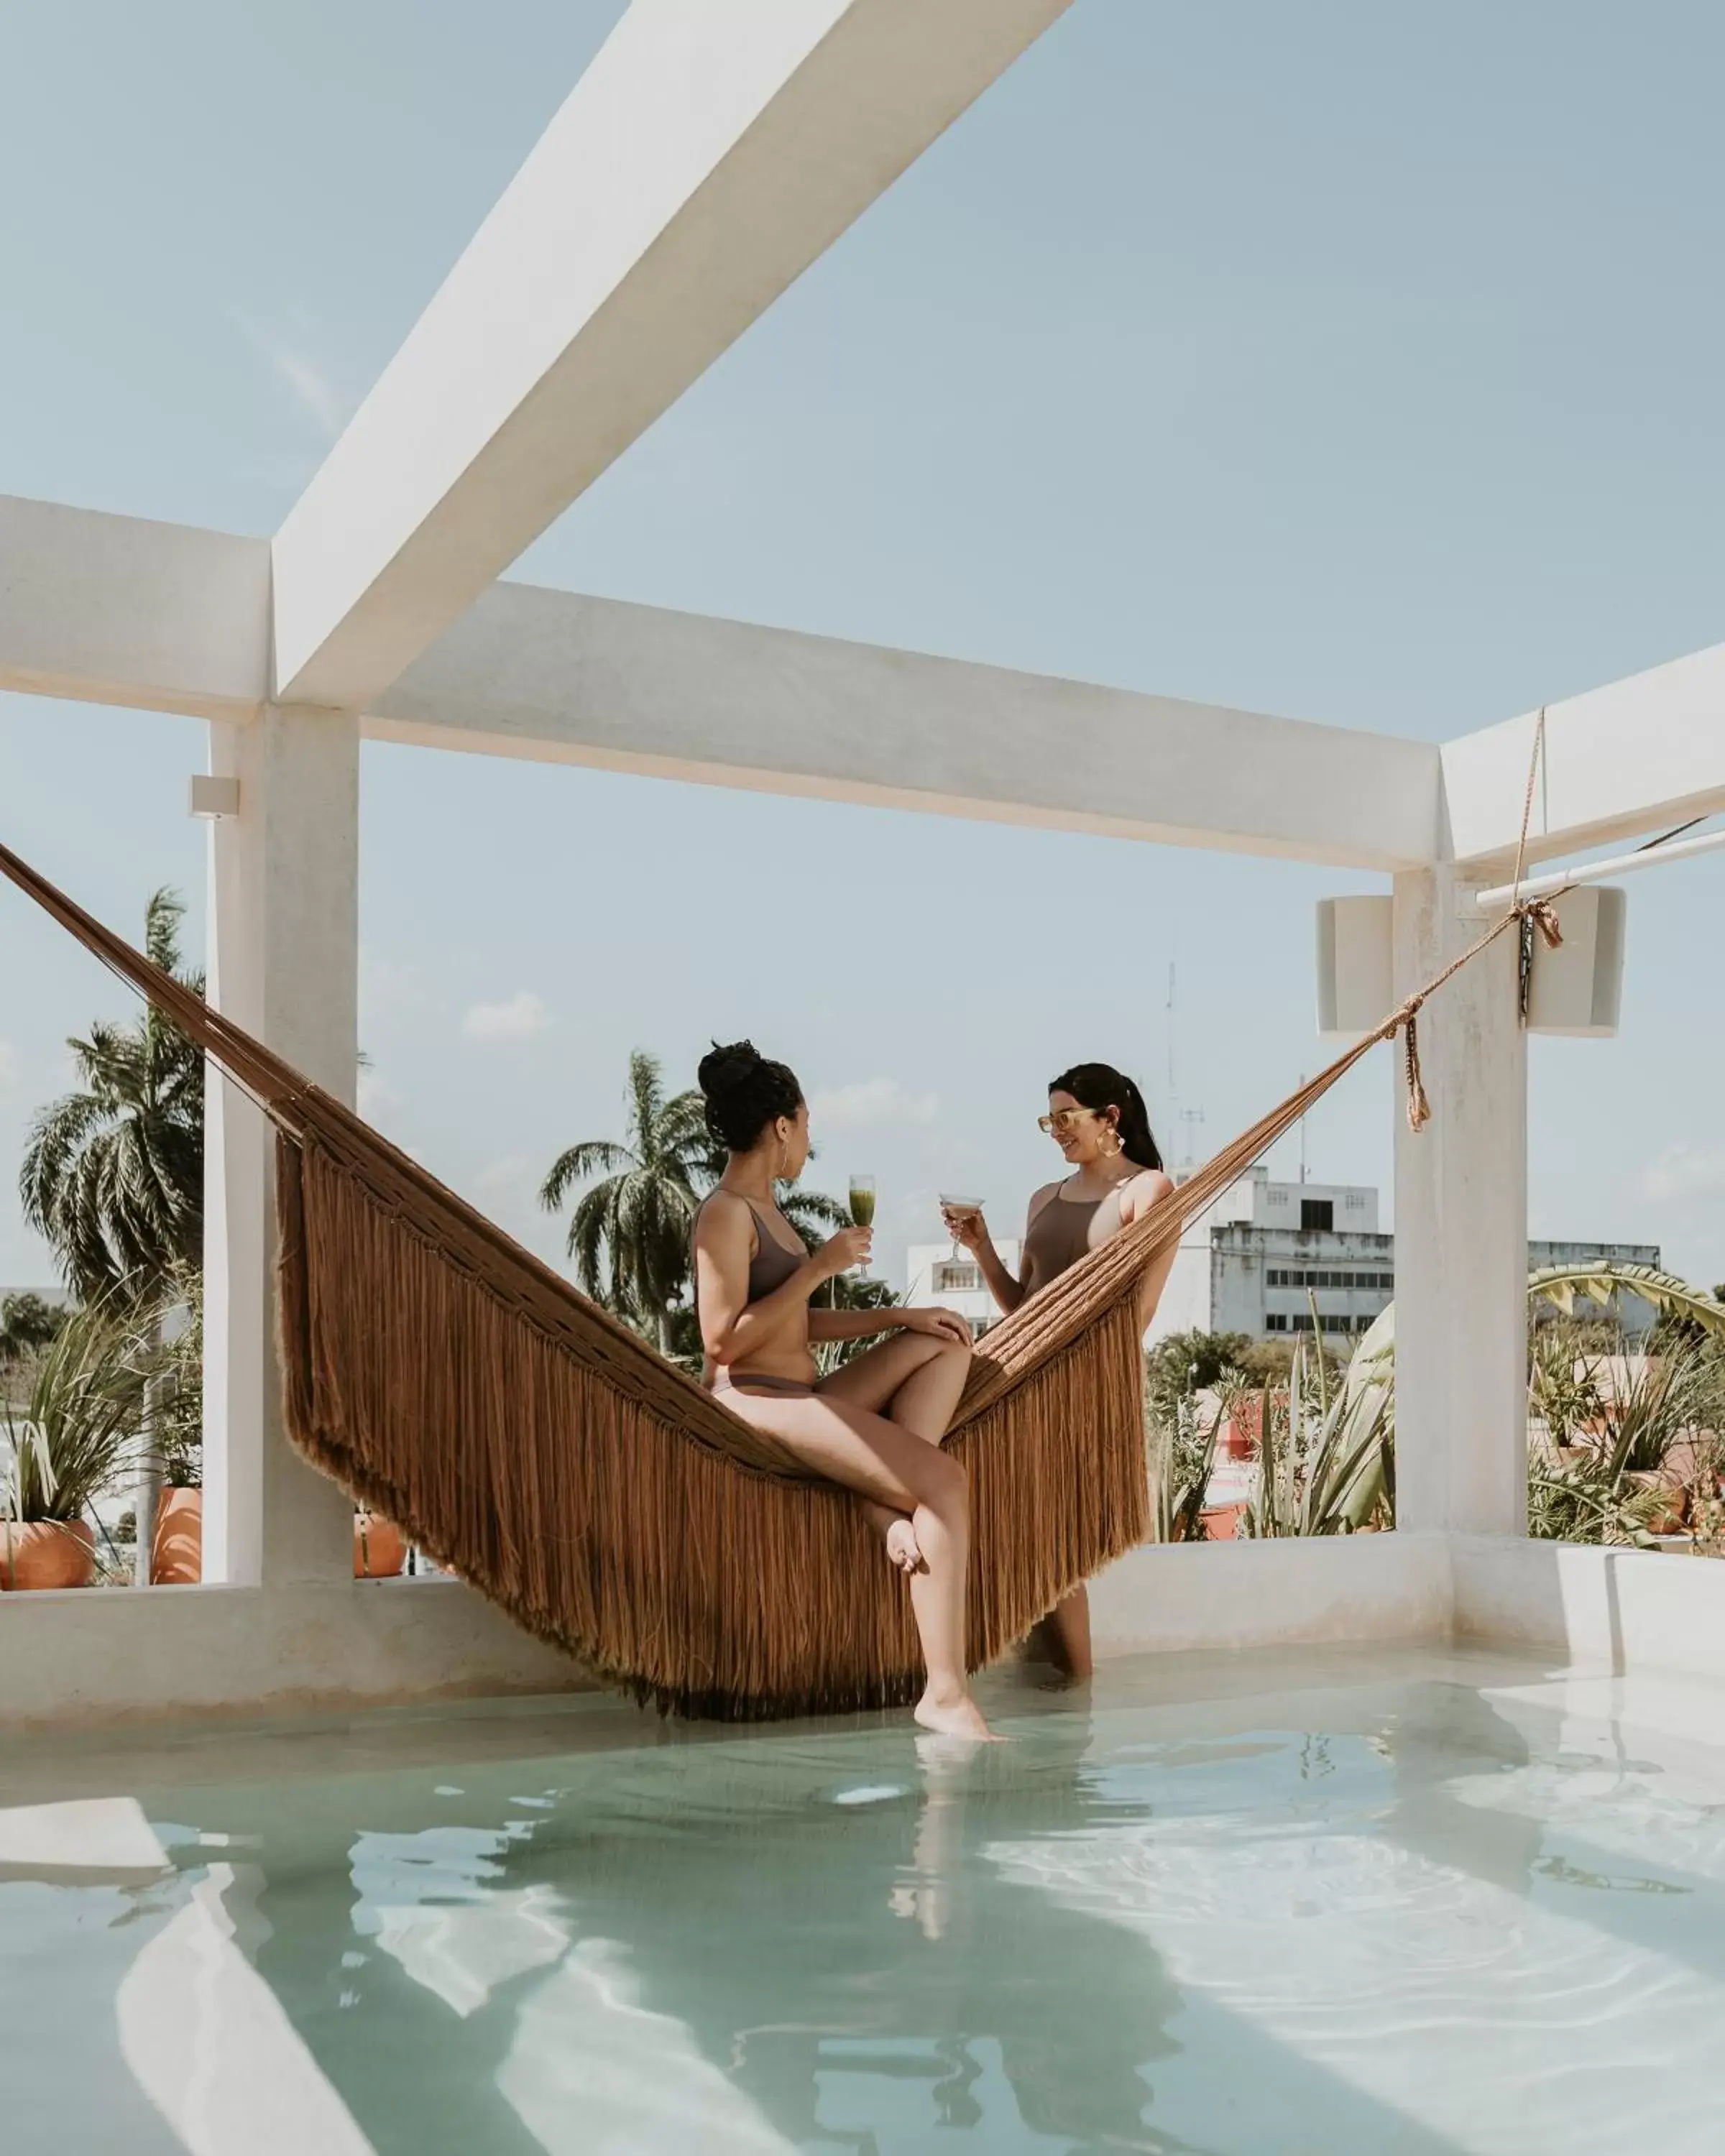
(1060, 1235)
(771, 1264)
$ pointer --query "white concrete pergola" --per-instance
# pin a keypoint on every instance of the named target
(707, 158)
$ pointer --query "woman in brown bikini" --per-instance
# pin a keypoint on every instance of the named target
(876, 1424)
(1098, 1117)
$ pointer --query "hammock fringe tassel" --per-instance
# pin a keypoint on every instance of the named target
(444, 1376)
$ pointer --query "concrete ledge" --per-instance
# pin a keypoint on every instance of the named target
(110, 1655)
(94, 1658)
(1185, 1595)
(1614, 1608)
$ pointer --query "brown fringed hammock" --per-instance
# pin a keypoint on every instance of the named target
(442, 1374)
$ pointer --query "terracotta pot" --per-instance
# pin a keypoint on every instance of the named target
(176, 1546)
(379, 1552)
(1240, 1433)
(1673, 1502)
(35, 1553)
(1221, 1522)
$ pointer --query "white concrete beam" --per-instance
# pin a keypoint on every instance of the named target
(1637, 754)
(707, 157)
(117, 610)
(560, 678)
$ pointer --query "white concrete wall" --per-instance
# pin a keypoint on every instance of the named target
(1619, 1609)
(94, 1657)
(97, 1656)
(1244, 1594)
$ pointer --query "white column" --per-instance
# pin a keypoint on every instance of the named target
(1462, 1227)
(283, 963)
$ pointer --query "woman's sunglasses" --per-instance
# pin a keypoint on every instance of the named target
(1064, 1119)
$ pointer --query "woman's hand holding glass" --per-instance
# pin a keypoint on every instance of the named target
(966, 1226)
(850, 1246)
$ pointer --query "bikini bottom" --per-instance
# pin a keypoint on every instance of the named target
(762, 1385)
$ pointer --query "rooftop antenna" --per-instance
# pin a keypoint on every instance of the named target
(1302, 1138)
(1171, 1034)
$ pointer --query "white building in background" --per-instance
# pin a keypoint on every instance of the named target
(1265, 1252)
(940, 1273)
(1256, 1260)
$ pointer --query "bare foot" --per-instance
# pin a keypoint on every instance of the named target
(957, 1716)
(901, 1548)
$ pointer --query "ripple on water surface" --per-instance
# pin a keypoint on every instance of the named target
(1416, 1916)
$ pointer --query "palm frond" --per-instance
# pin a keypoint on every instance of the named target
(593, 1156)
(1599, 1282)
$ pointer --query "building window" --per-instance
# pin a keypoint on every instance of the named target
(958, 1279)
(1374, 1283)
(1276, 1322)
(1355, 1201)
(1316, 1212)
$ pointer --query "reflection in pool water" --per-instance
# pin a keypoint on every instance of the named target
(1414, 1914)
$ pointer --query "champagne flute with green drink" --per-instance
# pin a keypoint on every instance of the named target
(862, 1210)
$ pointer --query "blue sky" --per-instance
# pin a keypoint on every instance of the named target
(1359, 364)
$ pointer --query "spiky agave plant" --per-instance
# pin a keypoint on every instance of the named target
(74, 1433)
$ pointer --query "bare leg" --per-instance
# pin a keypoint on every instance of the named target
(1065, 1632)
(891, 1467)
(915, 1379)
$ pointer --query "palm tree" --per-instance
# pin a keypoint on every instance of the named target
(629, 1234)
(113, 1174)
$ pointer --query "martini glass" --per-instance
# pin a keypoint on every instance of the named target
(952, 1201)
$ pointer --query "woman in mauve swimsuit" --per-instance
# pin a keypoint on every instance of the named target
(1097, 1118)
(875, 1425)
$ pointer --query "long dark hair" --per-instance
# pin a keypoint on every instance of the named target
(744, 1092)
(1100, 1085)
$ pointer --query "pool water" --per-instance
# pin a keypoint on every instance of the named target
(1301, 1907)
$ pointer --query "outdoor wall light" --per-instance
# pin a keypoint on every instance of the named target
(213, 798)
(1576, 989)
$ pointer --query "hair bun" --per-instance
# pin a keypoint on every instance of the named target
(732, 1063)
(745, 1091)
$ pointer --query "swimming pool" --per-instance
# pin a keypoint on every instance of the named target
(1292, 1905)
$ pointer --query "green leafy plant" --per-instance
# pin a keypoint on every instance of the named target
(1327, 1445)
(1182, 1455)
(1585, 1502)
(1184, 1364)
(75, 1431)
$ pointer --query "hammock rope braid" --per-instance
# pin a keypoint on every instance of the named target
(534, 1444)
